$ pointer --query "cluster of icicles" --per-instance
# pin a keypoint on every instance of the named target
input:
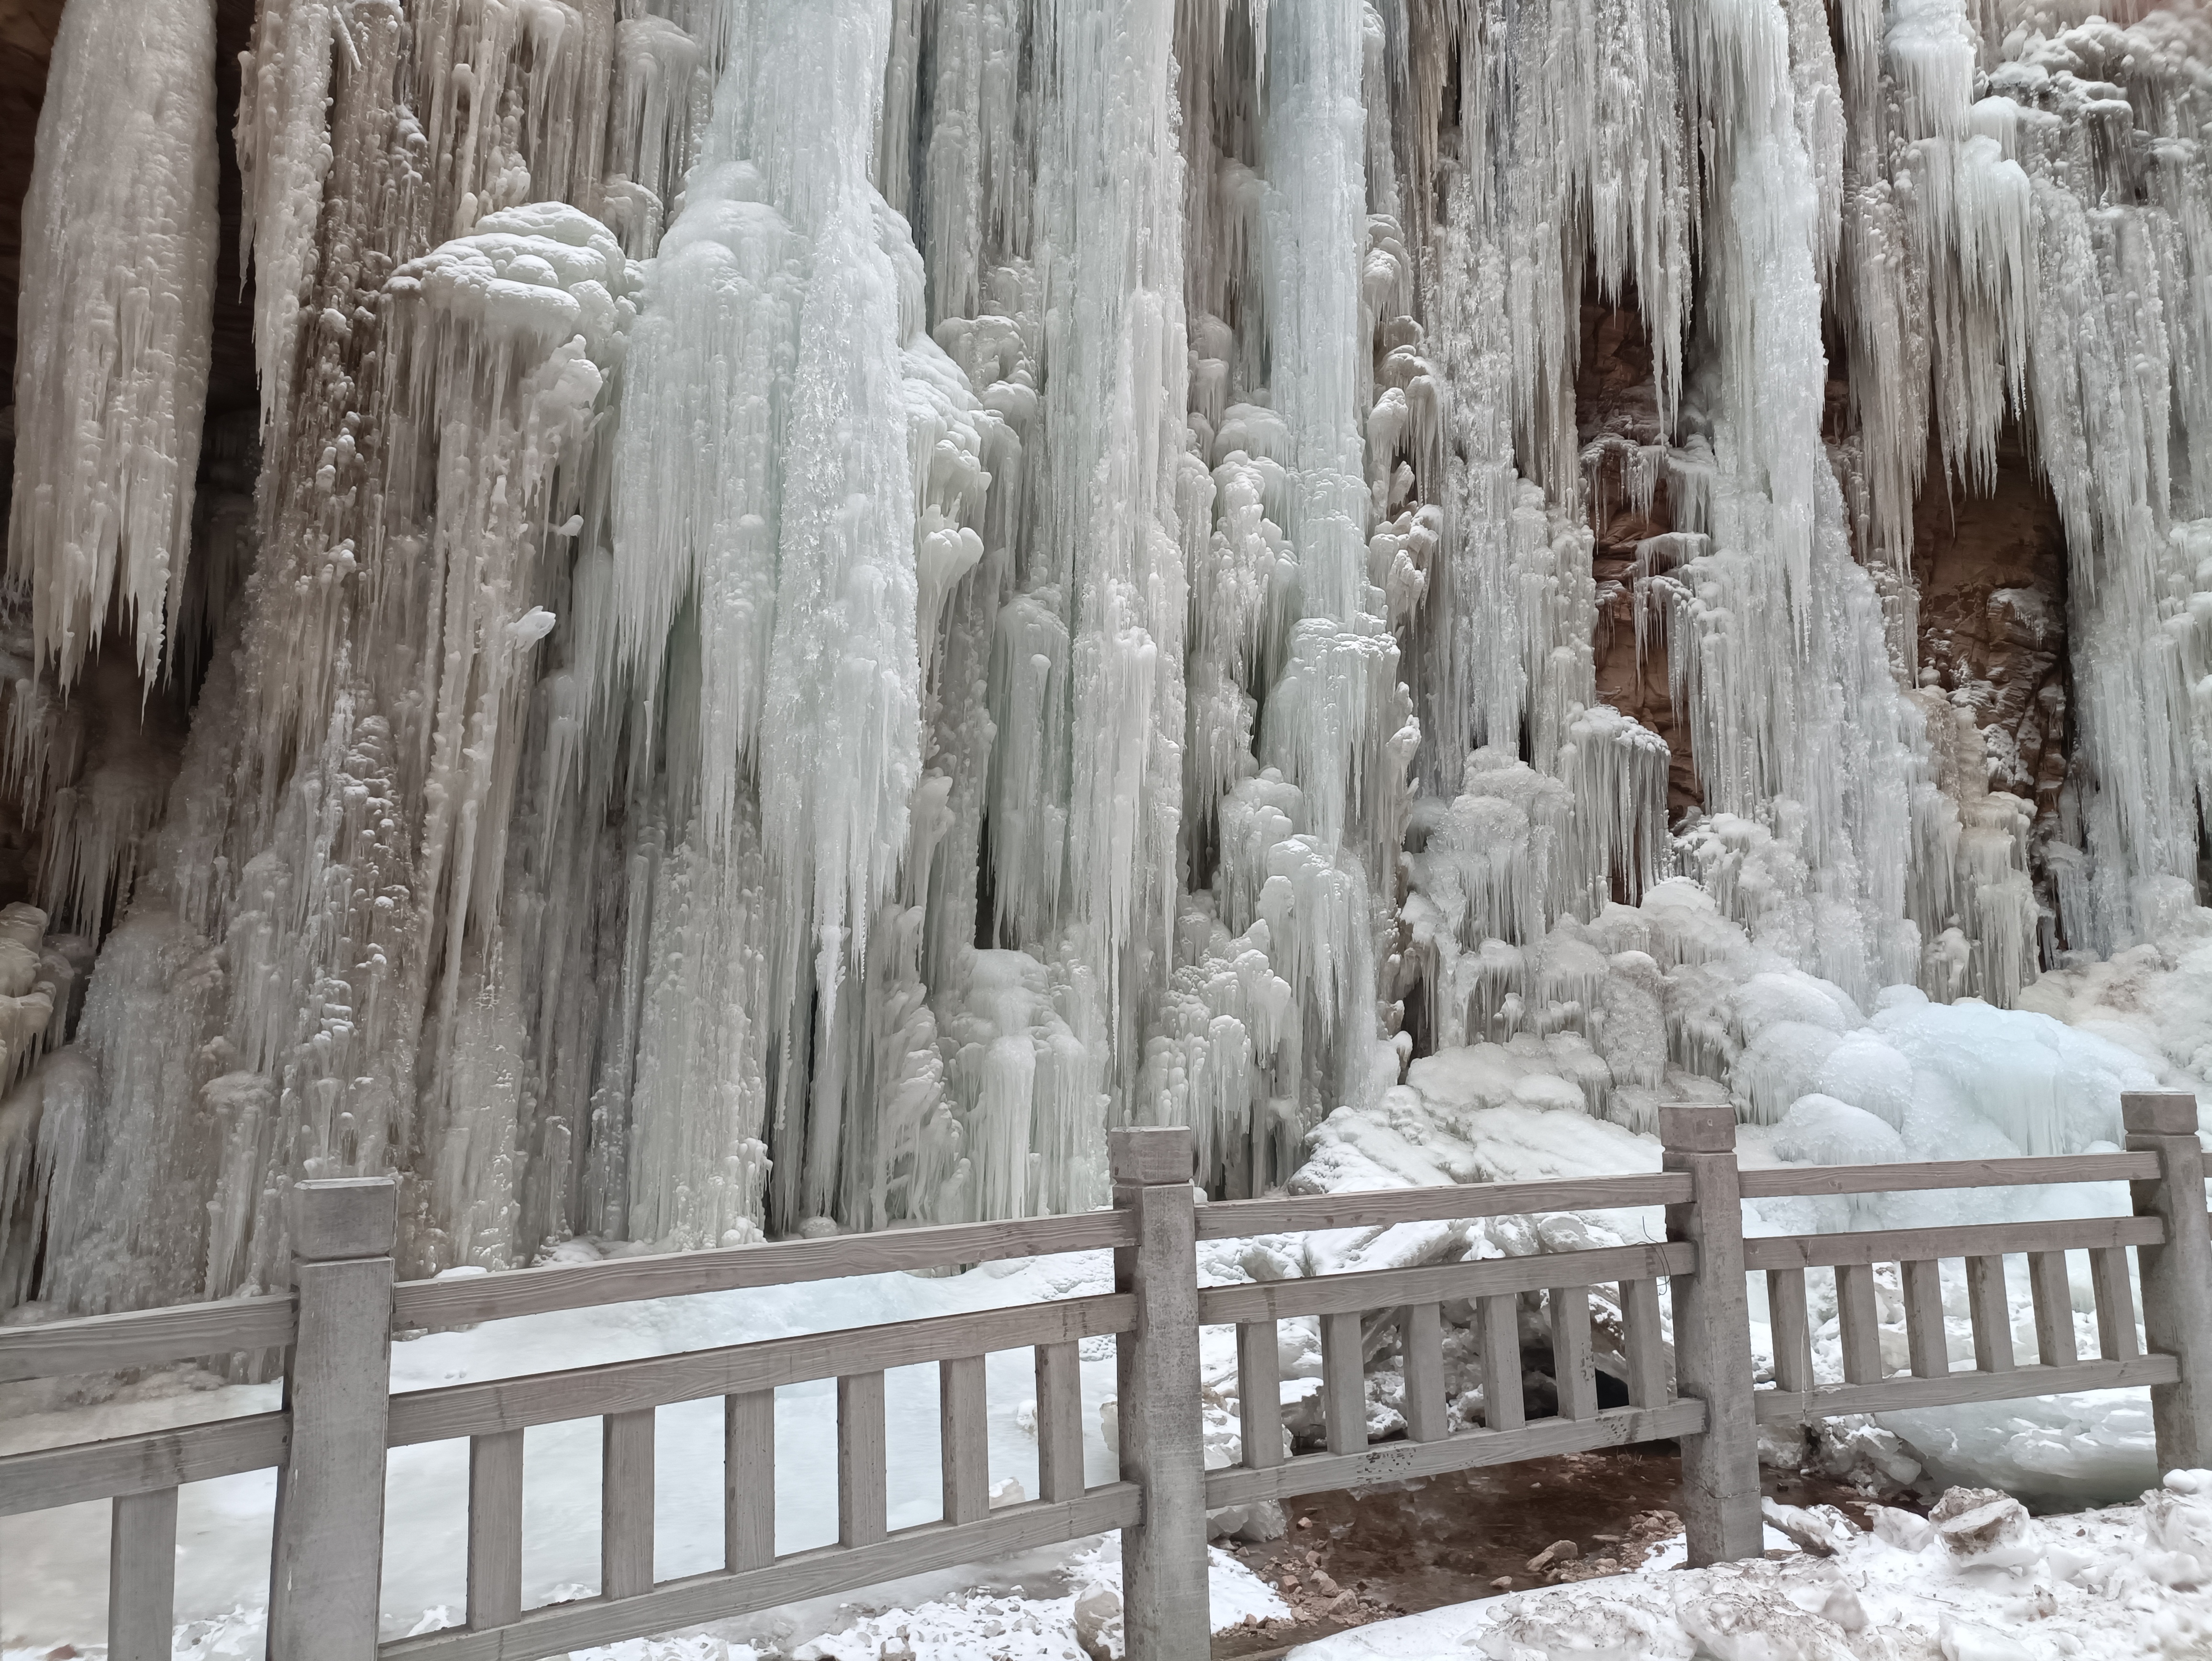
(840, 594)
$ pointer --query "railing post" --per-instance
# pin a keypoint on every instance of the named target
(327, 1567)
(1712, 1338)
(2176, 1277)
(1165, 1613)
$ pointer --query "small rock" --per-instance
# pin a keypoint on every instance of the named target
(1974, 1522)
(1323, 1586)
(1305, 1521)
(1096, 1612)
(1344, 1605)
(1560, 1551)
(1502, 1583)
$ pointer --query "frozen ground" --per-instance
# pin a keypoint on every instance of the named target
(1985, 1583)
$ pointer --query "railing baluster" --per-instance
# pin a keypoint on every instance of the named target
(1502, 1407)
(1060, 1421)
(1924, 1337)
(1792, 1328)
(1343, 1384)
(862, 1503)
(1259, 1394)
(494, 1529)
(1421, 1339)
(1858, 1323)
(142, 1575)
(965, 1439)
(2115, 1304)
(1573, 1370)
(2054, 1309)
(1991, 1314)
(749, 1479)
(626, 1503)
(1647, 1345)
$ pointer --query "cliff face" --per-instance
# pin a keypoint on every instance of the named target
(1990, 572)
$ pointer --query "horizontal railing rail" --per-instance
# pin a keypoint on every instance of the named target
(2046, 1169)
(1238, 1219)
(141, 1462)
(145, 1337)
(466, 1300)
(330, 1444)
(1969, 1240)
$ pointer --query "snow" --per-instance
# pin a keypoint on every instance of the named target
(1985, 1583)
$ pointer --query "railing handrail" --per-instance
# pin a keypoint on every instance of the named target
(146, 1337)
(1374, 1207)
(464, 1301)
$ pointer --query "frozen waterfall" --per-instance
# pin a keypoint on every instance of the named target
(810, 602)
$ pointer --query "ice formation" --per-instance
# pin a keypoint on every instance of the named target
(836, 596)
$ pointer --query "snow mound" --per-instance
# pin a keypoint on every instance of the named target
(1985, 1583)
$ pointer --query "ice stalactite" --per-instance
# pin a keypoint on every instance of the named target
(118, 289)
(842, 594)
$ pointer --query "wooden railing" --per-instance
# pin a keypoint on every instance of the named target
(329, 1443)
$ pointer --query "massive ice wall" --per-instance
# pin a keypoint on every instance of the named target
(840, 594)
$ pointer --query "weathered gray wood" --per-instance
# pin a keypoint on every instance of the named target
(327, 1557)
(494, 1529)
(1060, 1421)
(142, 1576)
(1792, 1329)
(748, 1480)
(1904, 1391)
(1977, 1240)
(1991, 1314)
(1573, 1369)
(1385, 1288)
(1924, 1338)
(1397, 1462)
(626, 1503)
(2054, 1309)
(1712, 1338)
(141, 1462)
(964, 1431)
(862, 1469)
(783, 1262)
(1646, 1343)
(1238, 1219)
(145, 1337)
(1421, 1339)
(1942, 1173)
(2115, 1304)
(1259, 1393)
(1343, 1384)
(1502, 1407)
(1164, 1593)
(1858, 1323)
(2177, 1274)
(559, 1629)
(474, 1409)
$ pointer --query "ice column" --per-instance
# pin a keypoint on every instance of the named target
(119, 233)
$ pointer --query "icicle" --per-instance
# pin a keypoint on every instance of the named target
(119, 234)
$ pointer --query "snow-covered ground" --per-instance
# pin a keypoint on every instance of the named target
(1985, 1582)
